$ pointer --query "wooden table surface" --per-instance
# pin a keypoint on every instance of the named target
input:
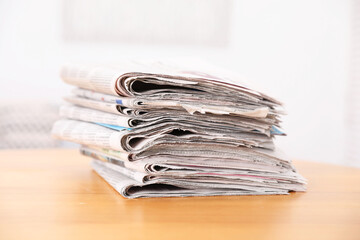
(54, 194)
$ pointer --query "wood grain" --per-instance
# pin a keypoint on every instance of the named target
(54, 194)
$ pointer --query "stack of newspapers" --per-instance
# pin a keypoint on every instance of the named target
(154, 129)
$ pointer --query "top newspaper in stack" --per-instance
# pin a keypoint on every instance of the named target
(159, 85)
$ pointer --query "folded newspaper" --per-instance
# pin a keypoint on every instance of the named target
(154, 129)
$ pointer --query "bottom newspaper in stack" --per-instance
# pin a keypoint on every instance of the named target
(204, 172)
(195, 170)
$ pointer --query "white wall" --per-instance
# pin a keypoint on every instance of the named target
(296, 49)
(299, 49)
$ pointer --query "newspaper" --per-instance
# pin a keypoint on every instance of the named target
(200, 168)
(138, 118)
(131, 188)
(156, 130)
(159, 85)
(136, 140)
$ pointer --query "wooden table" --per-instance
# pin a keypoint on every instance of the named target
(54, 194)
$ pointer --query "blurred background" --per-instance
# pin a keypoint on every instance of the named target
(305, 52)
